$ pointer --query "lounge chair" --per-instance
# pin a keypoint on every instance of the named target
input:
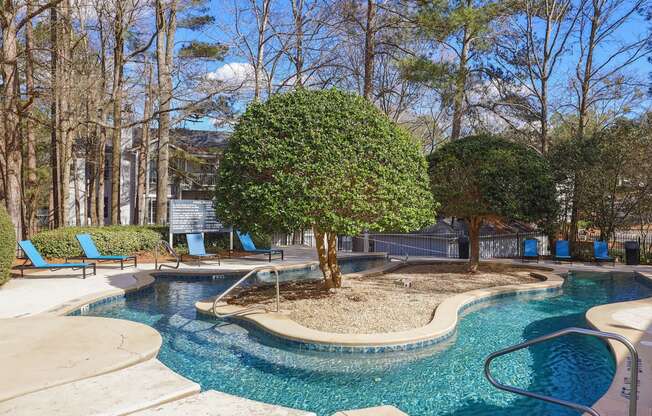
(562, 251)
(197, 249)
(249, 246)
(530, 250)
(601, 253)
(92, 253)
(39, 263)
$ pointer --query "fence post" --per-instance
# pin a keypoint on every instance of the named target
(365, 244)
(518, 244)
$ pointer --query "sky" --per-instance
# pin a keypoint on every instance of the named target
(235, 66)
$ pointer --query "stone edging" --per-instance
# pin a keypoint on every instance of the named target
(615, 399)
(441, 327)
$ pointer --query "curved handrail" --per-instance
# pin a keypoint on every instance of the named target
(242, 279)
(170, 250)
(581, 331)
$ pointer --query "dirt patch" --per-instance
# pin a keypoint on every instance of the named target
(397, 301)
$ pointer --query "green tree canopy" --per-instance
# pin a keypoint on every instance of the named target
(486, 178)
(325, 160)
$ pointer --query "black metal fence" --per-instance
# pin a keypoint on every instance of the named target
(491, 245)
(448, 245)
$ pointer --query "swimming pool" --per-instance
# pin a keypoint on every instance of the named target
(445, 379)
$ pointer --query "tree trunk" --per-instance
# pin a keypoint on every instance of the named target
(118, 74)
(31, 178)
(336, 273)
(460, 87)
(261, 21)
(322, 254)
(369, 50)
(54, 116)
(297, 11)
(143, 154)
(101, 169)
(75, 178)
(164, 53)
(10, 122)
(474, 242)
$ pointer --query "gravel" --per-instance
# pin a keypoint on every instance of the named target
(401, 300)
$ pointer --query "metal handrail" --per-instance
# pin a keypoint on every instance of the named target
(170, 250)
(581, 331)
(242, 279)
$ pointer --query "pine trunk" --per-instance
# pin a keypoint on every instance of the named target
(369, 50)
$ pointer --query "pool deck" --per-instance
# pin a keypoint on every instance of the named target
(83, 365)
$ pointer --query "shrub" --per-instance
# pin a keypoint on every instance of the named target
(7, 245)
(325, 160)
(112, 240)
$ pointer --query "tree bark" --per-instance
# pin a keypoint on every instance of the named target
(336, 273)
(297, 11)
(460, 87)
(262, 18)
(54, 116)
(31, 178)
(322, 254)
(116, 136)
(369, 50)
(143, 154)
(164, 53)
(10, 121)
(474, 242)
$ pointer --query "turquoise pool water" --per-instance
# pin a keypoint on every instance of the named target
(446, 379)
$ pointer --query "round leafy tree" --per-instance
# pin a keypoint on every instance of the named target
(487, 178)
(7, 245)
(325, 160)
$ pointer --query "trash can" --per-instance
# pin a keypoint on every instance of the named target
(463, 247)
(632, 253)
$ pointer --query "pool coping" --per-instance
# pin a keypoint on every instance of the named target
(441, 327)
(615, 401)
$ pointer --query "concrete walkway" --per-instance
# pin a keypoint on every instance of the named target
(41, 291)
(41, 352)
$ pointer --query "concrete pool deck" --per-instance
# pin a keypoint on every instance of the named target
(130, 385)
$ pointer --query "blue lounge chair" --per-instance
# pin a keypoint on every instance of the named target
(92, 253)
(562, 251)
(530, 250)
(601, 253)
(39, 263)
(249, 246)
(197, 249)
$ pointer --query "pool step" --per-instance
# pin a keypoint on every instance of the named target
(138, 387)
(214, 403)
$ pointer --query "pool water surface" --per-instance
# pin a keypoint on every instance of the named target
(445, 379)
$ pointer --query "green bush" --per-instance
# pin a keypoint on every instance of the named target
(7, 245)
(112, 240)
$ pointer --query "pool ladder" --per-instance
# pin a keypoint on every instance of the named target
(633, 378)
(167, 247)
(238, 283)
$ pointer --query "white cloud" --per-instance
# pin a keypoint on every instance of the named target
(233, 75)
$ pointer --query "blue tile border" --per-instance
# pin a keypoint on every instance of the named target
(319, 347)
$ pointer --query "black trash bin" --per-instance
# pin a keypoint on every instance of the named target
(632, 253)
(463, 247)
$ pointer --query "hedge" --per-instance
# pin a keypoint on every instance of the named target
(111, 240)
(7, 245)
